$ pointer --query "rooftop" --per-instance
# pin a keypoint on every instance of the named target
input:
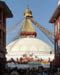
(55, 15)
(7, 11)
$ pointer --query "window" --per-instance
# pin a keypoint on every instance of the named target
(58, 26)
(56, 45)
(0, 36)
(59, 43)
(1, 17)
(55, 29)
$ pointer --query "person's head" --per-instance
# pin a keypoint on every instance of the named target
(40, 70)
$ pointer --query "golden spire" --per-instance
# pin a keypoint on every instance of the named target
(27, 29)
(27, 26)
(28, 12)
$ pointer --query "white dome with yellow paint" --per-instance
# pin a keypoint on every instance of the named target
(30, 47)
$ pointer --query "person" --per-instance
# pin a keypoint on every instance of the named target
(44, 73)
(40, 72)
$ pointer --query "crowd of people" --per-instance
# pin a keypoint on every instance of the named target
(33, 71)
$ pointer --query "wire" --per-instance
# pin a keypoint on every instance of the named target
(14, 26)
(44, 30)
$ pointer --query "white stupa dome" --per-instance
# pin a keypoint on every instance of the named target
(31, 47)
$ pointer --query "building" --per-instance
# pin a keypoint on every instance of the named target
(55, 19)
(4, 13)
(28, 46)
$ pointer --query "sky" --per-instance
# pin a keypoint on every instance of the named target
(42, 11)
